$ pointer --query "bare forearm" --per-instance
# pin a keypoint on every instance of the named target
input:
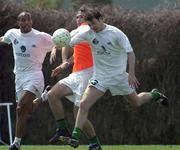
(67, 53)
(71, 60)
(131, 62)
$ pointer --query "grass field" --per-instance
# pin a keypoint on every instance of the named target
(117, 147)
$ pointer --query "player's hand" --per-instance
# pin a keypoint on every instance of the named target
(56, 71)
(133, 82)
(59, 69)
(53, 55)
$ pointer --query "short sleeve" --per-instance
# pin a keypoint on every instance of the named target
(47, 42)
(123, 41)
(78, 38)
(7, 37)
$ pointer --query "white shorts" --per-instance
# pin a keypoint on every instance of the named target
(77, 82)
(118, 85)
(30, 81)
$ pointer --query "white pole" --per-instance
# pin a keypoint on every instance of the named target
(9, 119)
(9, 123)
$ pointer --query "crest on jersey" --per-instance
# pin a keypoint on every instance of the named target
(95, 41)
(23, 48)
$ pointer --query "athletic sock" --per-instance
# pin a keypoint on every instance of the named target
(77, 133)
(17, 141)
(94, 140)
(61, 124)
(155, 94)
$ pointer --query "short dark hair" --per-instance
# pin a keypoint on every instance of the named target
(90, 13)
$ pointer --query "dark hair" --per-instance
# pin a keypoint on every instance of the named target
(90, 13)
(83, 8)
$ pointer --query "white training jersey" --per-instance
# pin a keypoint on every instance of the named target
(79, 29)
(109, 48)
(29, 49)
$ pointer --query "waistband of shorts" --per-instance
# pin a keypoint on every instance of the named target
(84, 71)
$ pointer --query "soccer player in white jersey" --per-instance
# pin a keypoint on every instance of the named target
(72, 86)
(111, 51)
(29, 48)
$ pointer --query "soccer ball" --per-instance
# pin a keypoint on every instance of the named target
(61, 37)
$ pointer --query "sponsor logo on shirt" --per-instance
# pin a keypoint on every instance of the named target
(103, 51)
(23, 55)
(34, 45)
(23, 50)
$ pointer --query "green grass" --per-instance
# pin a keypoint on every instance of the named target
(109, 147)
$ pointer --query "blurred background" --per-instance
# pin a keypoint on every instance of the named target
(153, 27)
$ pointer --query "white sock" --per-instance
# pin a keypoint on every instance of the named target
(17, 141)
(44, 96)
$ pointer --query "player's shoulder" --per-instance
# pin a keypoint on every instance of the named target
(112, 28)
(13, 30)
(115, 30)
(40, 33)
(80, 29)
(84, 27)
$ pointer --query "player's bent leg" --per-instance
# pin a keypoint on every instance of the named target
(54, 99)
(89, 131)
(92, 137)
(137, 100)
(144, 97)
(43, 98)
(90, 96)
(23, 112)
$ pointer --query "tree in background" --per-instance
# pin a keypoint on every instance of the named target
(60, 4)
(43, 4)
(75, 4)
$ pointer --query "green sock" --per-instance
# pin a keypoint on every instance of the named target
(94, 140)
(61, 124)
(76, 134)
(155, 94)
